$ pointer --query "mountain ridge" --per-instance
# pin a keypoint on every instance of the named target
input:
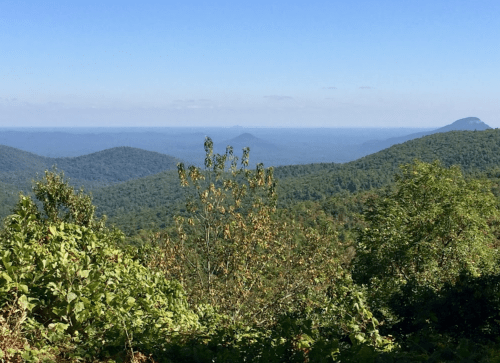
(108, 166)
(463, 124)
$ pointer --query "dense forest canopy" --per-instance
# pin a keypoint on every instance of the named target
(475, 152)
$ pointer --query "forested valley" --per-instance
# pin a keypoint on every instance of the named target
(393, 257)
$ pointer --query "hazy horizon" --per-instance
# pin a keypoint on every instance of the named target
(320, 64)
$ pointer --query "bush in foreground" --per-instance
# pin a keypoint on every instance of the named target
(75, 289)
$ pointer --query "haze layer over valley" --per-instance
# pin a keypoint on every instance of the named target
(271, 146)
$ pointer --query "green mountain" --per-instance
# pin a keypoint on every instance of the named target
(116, 165)
(8, 198)
(464, 124)
(101, 168)
(151, 201)
(108, 167)
(474, 151)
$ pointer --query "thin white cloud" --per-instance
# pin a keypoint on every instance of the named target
(180, 104)
(192, 100)
(278, 98)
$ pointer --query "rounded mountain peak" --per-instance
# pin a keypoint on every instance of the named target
(245, 137)
(468, 123)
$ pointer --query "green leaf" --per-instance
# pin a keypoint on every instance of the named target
(43, 270)
(6, 277)
(71, 296)
(79, 306)
(23, 301)
(58, 327)
(83, 273)
(23, 288)
(109, 297)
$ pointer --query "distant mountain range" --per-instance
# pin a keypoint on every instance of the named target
(119, 164)
(272, 147)
(246, 139)
(74, 143)
(464, 124)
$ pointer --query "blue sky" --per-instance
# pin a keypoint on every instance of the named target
(257, 63)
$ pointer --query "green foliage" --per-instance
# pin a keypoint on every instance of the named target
(14, 346)
(220, 204)
(267, 288)
(80, 291)
(468, 309)
(340, 328)
(232, 253)
(433, 227)
(58, 198)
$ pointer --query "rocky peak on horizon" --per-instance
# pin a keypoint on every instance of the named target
(467, 124)
(463, 124)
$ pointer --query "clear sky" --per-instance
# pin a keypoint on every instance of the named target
(315, 63)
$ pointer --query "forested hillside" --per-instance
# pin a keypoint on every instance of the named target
(9, 195)
(101, 168)
(473, 151)
(464, 124)
(150, 201)
(116, 165)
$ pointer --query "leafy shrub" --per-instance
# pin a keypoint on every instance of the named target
(338, 329)
(267, 289)
(430, 229)
(82, 292)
